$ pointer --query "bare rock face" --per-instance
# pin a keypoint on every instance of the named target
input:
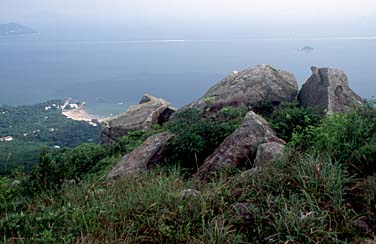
(328, 90)
(150, 110)
(240, 146)
(146, 156)
(267, 152)
(249, 88)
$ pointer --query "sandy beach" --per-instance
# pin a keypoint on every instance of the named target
(80, 114)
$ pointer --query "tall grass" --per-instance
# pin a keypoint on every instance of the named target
(311, 194)
(298, 200)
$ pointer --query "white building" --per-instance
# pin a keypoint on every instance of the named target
(6, 139)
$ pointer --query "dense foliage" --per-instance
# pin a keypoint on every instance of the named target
(196, 137)
(58, 167)
(35, 127)
(322, 190)
(349, 139)
(290, 118)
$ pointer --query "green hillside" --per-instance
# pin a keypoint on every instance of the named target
(322, 190)
(35, 127)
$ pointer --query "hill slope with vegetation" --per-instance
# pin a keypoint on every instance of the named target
(35, 127)
(322, 190)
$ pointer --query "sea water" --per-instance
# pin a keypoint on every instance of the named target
(109, 75)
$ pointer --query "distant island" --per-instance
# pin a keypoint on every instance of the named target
(307, 49)
(14, 29)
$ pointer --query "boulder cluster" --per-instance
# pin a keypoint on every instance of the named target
(149, 111)
(327, 90)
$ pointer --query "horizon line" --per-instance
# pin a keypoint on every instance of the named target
(224, 40)
(145, 41)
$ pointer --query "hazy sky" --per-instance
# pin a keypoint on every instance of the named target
(209, 17)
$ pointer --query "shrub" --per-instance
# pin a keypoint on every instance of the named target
(290, 118)
(349, 138)
(232, 114)
(54, 168)
(9, 190)
(133, 139)
(197, 137)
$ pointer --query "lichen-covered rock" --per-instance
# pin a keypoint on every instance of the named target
(149, 111)
(328, 91)
(240, 146)
(249, 88)
(268, 152)
(144, 157)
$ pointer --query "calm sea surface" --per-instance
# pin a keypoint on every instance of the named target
(110, 75)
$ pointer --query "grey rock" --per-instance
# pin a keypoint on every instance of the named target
(71, 182)
(243, 211)
(369, 241)
(268, 152)
(249, 88)
(240, 146)
(188, 193)
(144, 157)
(146, 98)
(16, 183)
(328, 91)
(149, 111)
(361, 226)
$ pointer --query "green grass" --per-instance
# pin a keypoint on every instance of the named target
(301, 199)
(311, 194)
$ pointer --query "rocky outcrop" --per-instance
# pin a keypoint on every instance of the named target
(240, 146)
(249, 88)
(149, 111)
(268, 152)
(144, 157)
(328, 90)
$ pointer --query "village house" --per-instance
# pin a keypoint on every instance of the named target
(6, 139)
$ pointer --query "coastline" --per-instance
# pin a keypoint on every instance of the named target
(80, 114)
(20, 35)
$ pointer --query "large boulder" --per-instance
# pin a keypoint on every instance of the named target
(328, 91)
(240, 146)
(268, 152)
(144, 157)
(249, 88)
(149, 111)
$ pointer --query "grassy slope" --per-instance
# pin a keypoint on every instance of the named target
(293, 201)
(323, 190)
